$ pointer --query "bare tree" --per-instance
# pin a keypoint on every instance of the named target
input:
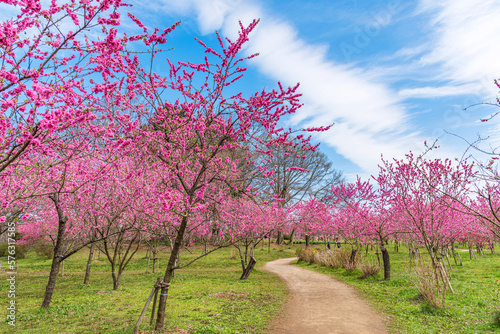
(297, 174)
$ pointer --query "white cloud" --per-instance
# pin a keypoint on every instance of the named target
(210, 14)
(431, 92)
(464, 40)
(369, 117)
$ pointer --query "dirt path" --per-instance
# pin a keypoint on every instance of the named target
(321, 304)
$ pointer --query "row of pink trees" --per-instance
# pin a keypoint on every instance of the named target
(93, 148)
(428, 203)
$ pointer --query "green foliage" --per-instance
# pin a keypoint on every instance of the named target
(44, 249)
(21, 251)
(3, 249)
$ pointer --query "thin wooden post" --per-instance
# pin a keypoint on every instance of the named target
(447, 258)
(453, 253)
(154, 305)
(155, 288)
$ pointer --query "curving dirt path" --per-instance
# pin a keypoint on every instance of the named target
(321, 304)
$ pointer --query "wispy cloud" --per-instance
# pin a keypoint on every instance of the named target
(463, 40)
(432, 92)
(369, 116)
(456, 55)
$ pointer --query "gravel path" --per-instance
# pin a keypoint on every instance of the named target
(321, 304)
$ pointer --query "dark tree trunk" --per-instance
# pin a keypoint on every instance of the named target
(387, 262)
(352, 259)
(307, 240)
(89, 262)
(49, 289)
(56, 259)
(160, 319)
(154, 261)
(291, 237)
(248, 269)
(116, 281)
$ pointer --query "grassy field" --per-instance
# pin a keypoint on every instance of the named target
(206, 297)
(472, 309)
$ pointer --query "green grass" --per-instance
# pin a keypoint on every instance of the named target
(471, 309)
(206, 297)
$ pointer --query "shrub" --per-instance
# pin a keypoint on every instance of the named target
(21, 250)
(3, 249)
(346, 260)
(306, 254)
(322, 258)
(328, 259)
(44, 249)
(369, 268)
(425, 283)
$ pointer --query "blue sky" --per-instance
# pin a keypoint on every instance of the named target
(390, 74)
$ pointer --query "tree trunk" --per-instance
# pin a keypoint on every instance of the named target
(89, 262)
(56, 259)
(352, 259)
(307, 240)
(160, 319)
(116, 281)
(453, 253)
(248, 269)
(242, 257)
(278, 238)
(291, 237)
(49, 289)
(387, 262)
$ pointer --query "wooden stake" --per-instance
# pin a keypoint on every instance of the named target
(155, 288)
(154, 307)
